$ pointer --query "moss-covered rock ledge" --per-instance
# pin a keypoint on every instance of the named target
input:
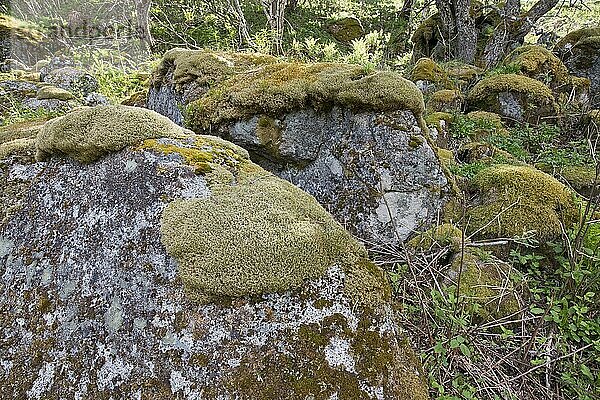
(194, 272)
(354, 140)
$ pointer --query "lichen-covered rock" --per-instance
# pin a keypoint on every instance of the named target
(516, 97)
(352, 140)
(580, 51)
(92, 304)
(72, 79)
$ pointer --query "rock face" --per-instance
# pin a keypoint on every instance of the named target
(580, 51)
(93, 306)
(353, 141)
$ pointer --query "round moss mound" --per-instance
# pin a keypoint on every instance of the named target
(527, 98)
(437, 237)
(539, 63)
(426, 69)
(513, 200)
(260, 236)
(88, 133)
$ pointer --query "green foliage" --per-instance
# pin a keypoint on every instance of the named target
(118, 75)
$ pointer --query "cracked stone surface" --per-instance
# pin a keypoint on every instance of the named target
(91, 305)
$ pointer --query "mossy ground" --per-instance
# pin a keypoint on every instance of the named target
(486, 282)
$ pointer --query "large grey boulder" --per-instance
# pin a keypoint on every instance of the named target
(72, 79)
(353, 140)
(101, 264)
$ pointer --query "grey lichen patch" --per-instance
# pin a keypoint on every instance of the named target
(87, 134)
(262, 235)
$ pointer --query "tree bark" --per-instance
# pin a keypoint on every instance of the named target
(275, 13)
(458, 29)
(514, 28)
(142, 10)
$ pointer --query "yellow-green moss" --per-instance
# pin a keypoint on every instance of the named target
(445, 100)
(274, 89)
(513, 200)
(346, 29)
(486, 284)
(20, 29)
(88, 133)
(434, 119)
(207, 67)
(572, 38)
(26, 75)
(428, 70)
(52, 92)
(437, 237)
(17, 146)
(535, 90)
(539, 63)
(486, 117)
(262, 235)
(21, 130)
(581, 178)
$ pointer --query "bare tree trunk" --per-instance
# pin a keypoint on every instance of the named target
(243, 33)
(466, 42)
(497, 46)
(458, 29)
(275, 12)
(142, 10)
(514, 28)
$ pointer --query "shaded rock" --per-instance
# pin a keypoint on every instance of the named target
(429, 76)
(120, 319)
(353, 141)
(16, 37)
(515, 97)
(580, 51)
(95, 99)
(54, 105)
(54, 63)
(346, 29)
(73, 80)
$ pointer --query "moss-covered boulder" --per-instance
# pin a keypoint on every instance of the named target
(445, 101)
(440, 236)
(580, 51)
(89, 133)
(194, 272)
(354, 140)
(346, 29)
(52, 92)
(430, 76)
(515, 97)
(511, 201)
(489, 286)
(16, 36)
